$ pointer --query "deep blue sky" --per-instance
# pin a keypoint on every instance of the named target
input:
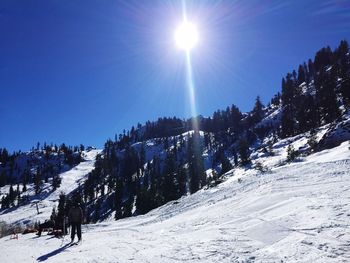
(81, 71)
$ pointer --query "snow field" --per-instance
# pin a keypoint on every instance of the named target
(298, 212)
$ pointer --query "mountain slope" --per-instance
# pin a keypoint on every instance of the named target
(298, 212)
(48, 198)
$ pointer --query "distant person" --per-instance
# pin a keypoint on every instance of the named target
(75, 217)
(47, 224)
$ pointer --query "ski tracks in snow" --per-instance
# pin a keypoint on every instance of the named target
(297, 213)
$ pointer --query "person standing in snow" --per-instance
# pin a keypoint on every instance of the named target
(47, 224)
(75, 216)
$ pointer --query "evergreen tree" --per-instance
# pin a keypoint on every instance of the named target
(196, 163)
(128, 205)
(288, 112)
(182, 181)
(326, 97)
(53, 214)
(11, 195)
(142, 157)
(243, 150)
(301, 75)
(169, 190)
(235, 157)
(307, 115)
(118, 195)
(61, 212)
(292, 154)
(312, 140)
(24, 188)
(311, 69)
(18, 195)
(38, 181)
(323, 59)
(97, 210)
(257, 112)
(225, 164)
(343, 64)
(56, 181)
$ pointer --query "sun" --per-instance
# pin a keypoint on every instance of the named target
(186, 36)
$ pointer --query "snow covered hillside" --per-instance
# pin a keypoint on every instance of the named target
(47, 199)
(298, 212)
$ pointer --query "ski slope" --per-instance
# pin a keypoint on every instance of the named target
(47, 199)
(298, 212)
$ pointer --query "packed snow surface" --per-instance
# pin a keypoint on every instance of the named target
(298, 212)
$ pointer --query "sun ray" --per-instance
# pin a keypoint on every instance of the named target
(189, 75)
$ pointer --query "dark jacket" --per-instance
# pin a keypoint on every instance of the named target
(75, 215)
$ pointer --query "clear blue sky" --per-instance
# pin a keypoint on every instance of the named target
(81, 71)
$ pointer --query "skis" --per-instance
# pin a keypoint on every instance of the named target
(75, 243)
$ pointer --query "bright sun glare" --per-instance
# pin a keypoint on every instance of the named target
(186, 36)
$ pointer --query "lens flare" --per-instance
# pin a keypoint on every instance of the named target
(186, 36)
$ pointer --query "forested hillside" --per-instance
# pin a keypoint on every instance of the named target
(161, 161)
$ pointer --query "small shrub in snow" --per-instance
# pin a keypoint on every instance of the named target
(312, 140)
(270, 149)
(292, 154)
(260, 167)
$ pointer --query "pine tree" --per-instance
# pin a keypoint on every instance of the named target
(288, 112)
(343, 64)
(307, 115)
(18, 195)
(38, 181)
(225, 165)
(128, 205)
(196, 163)
(326, 97)
(168, 186)
(292, 154)
(61, 212)
(11, 195)
(301, 75)
(24, 188)
(243, 150)
(142, 157)
(312, 140)
(118, 195)
(257, 112)
(53, 214)
(182, 181)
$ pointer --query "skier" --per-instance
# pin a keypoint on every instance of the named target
(75, 216)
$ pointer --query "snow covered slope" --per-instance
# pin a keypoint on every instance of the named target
(298, 212)
(48, 198)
